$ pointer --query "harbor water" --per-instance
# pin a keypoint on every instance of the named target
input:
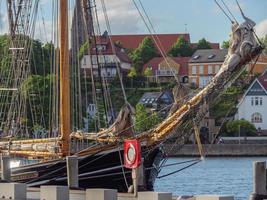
(226, 176)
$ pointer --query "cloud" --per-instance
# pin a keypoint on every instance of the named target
(261, 28)
(123, 17)
(43, 30)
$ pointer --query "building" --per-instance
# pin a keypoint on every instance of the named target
(105, 58)
(157, 101)
(253, 105)
(164, 69)
(204, 64)
(260, 66)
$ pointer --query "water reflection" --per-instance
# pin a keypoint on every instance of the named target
(227, 176)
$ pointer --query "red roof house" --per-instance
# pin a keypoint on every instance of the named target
(163, 69)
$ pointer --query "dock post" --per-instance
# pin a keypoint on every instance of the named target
(5, 168)
(101, 194)
(17, 191)
(135, 180)
(141, 175)
(154, 196)
(54, 192)
(259, 181)
(72, 171)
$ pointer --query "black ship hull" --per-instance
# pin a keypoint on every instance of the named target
(101, 170)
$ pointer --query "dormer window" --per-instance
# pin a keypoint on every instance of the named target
(196, 57)
(101, 47)
(211, 56)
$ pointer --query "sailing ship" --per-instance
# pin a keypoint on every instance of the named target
(100, 154)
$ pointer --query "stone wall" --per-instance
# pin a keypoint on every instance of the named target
(220, 150)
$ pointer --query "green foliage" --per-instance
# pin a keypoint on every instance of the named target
(225, 104)
(245, 127)
(148, 71)
(83, 50)
(203, 44)
(225, 44)
(5, 58)
(40, 55)
(181, 48)
(132, 73)
(91, 125)
(143, 121)
(36, 90)
(145, 52)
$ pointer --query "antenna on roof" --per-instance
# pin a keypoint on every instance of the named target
(185, 28)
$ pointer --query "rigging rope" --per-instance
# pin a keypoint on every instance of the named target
(228, 10)
(157, 43)
(223, 11)
(179, 170)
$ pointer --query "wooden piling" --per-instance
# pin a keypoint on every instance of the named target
(5, 168)
(72, 171)
(259, 181)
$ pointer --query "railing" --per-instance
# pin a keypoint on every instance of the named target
(165, 72)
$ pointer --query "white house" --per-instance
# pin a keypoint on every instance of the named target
(253, 105)
(107, 58)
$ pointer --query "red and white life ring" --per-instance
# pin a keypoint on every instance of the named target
(132, 154)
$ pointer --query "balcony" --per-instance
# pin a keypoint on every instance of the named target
(165, 72)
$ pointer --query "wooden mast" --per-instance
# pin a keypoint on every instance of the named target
(64, 79)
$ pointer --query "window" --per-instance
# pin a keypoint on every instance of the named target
(196, 57)
(201, 69)
(252, 101)
(217, 68)
(260, 101)
(210, 71)
(211, 56)
(194, 80)
(256, 101)
(256, 118)
(194, 69)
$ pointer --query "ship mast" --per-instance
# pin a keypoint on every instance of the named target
(64, 101)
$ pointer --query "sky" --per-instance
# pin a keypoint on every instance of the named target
(200, 18)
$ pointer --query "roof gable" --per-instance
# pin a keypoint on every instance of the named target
(251, 92)
(256, 89)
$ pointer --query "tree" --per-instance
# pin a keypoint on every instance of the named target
(242, 127)
(83, 50)
(203, 44)
(148, 71)
(140, 118)
(145, 52)
(132, 73)
(226, 104)
(36, 90)
(181, 48)
(143, 121)
(225, 44)
(39, 59)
